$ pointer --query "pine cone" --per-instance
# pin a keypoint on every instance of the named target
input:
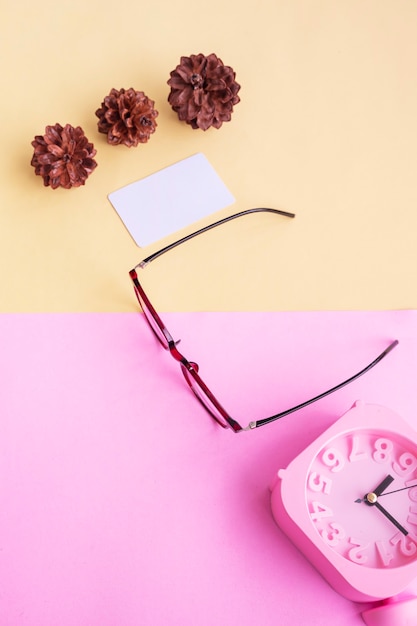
(63, 156)
(203, 91)
(127, 116)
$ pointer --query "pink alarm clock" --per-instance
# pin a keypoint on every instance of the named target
(349, 503)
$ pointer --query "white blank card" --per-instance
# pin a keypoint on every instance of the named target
(170, 199)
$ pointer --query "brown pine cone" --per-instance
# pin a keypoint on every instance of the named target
(203, 91)
(127, 116)
(63, 156)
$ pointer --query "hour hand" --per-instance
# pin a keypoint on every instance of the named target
(384, 485)
(371, 497)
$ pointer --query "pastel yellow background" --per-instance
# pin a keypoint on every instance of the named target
(326, 128)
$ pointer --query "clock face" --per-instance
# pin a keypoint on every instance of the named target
(361, 496)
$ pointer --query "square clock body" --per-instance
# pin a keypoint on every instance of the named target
(349, 503)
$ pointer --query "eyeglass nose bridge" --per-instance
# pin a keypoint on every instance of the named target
(188, 368)
(176, 354)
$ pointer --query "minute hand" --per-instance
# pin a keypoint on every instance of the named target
(389, 516)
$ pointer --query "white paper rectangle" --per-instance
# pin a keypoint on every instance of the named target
(170, 199)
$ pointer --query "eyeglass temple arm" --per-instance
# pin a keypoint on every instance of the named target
(267, 420)
(174, 244)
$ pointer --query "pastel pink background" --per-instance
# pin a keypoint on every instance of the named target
(122, 504)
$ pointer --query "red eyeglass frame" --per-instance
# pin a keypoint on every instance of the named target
(190, 368)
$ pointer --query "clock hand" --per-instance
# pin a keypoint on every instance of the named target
(378, 490)
(388, 516)
(397, 490)
(371, 499)
(383, 485)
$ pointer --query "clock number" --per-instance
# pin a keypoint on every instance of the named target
(407, 463)
(355, 454)
(383, 450)
(412, 517)
(385, 552)
(357, 554)
(412, 489)
(318, 482)
(334, 459)
(319, 511)
(406, 546)
(333, 536)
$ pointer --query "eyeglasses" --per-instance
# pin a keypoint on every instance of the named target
(190, 369)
